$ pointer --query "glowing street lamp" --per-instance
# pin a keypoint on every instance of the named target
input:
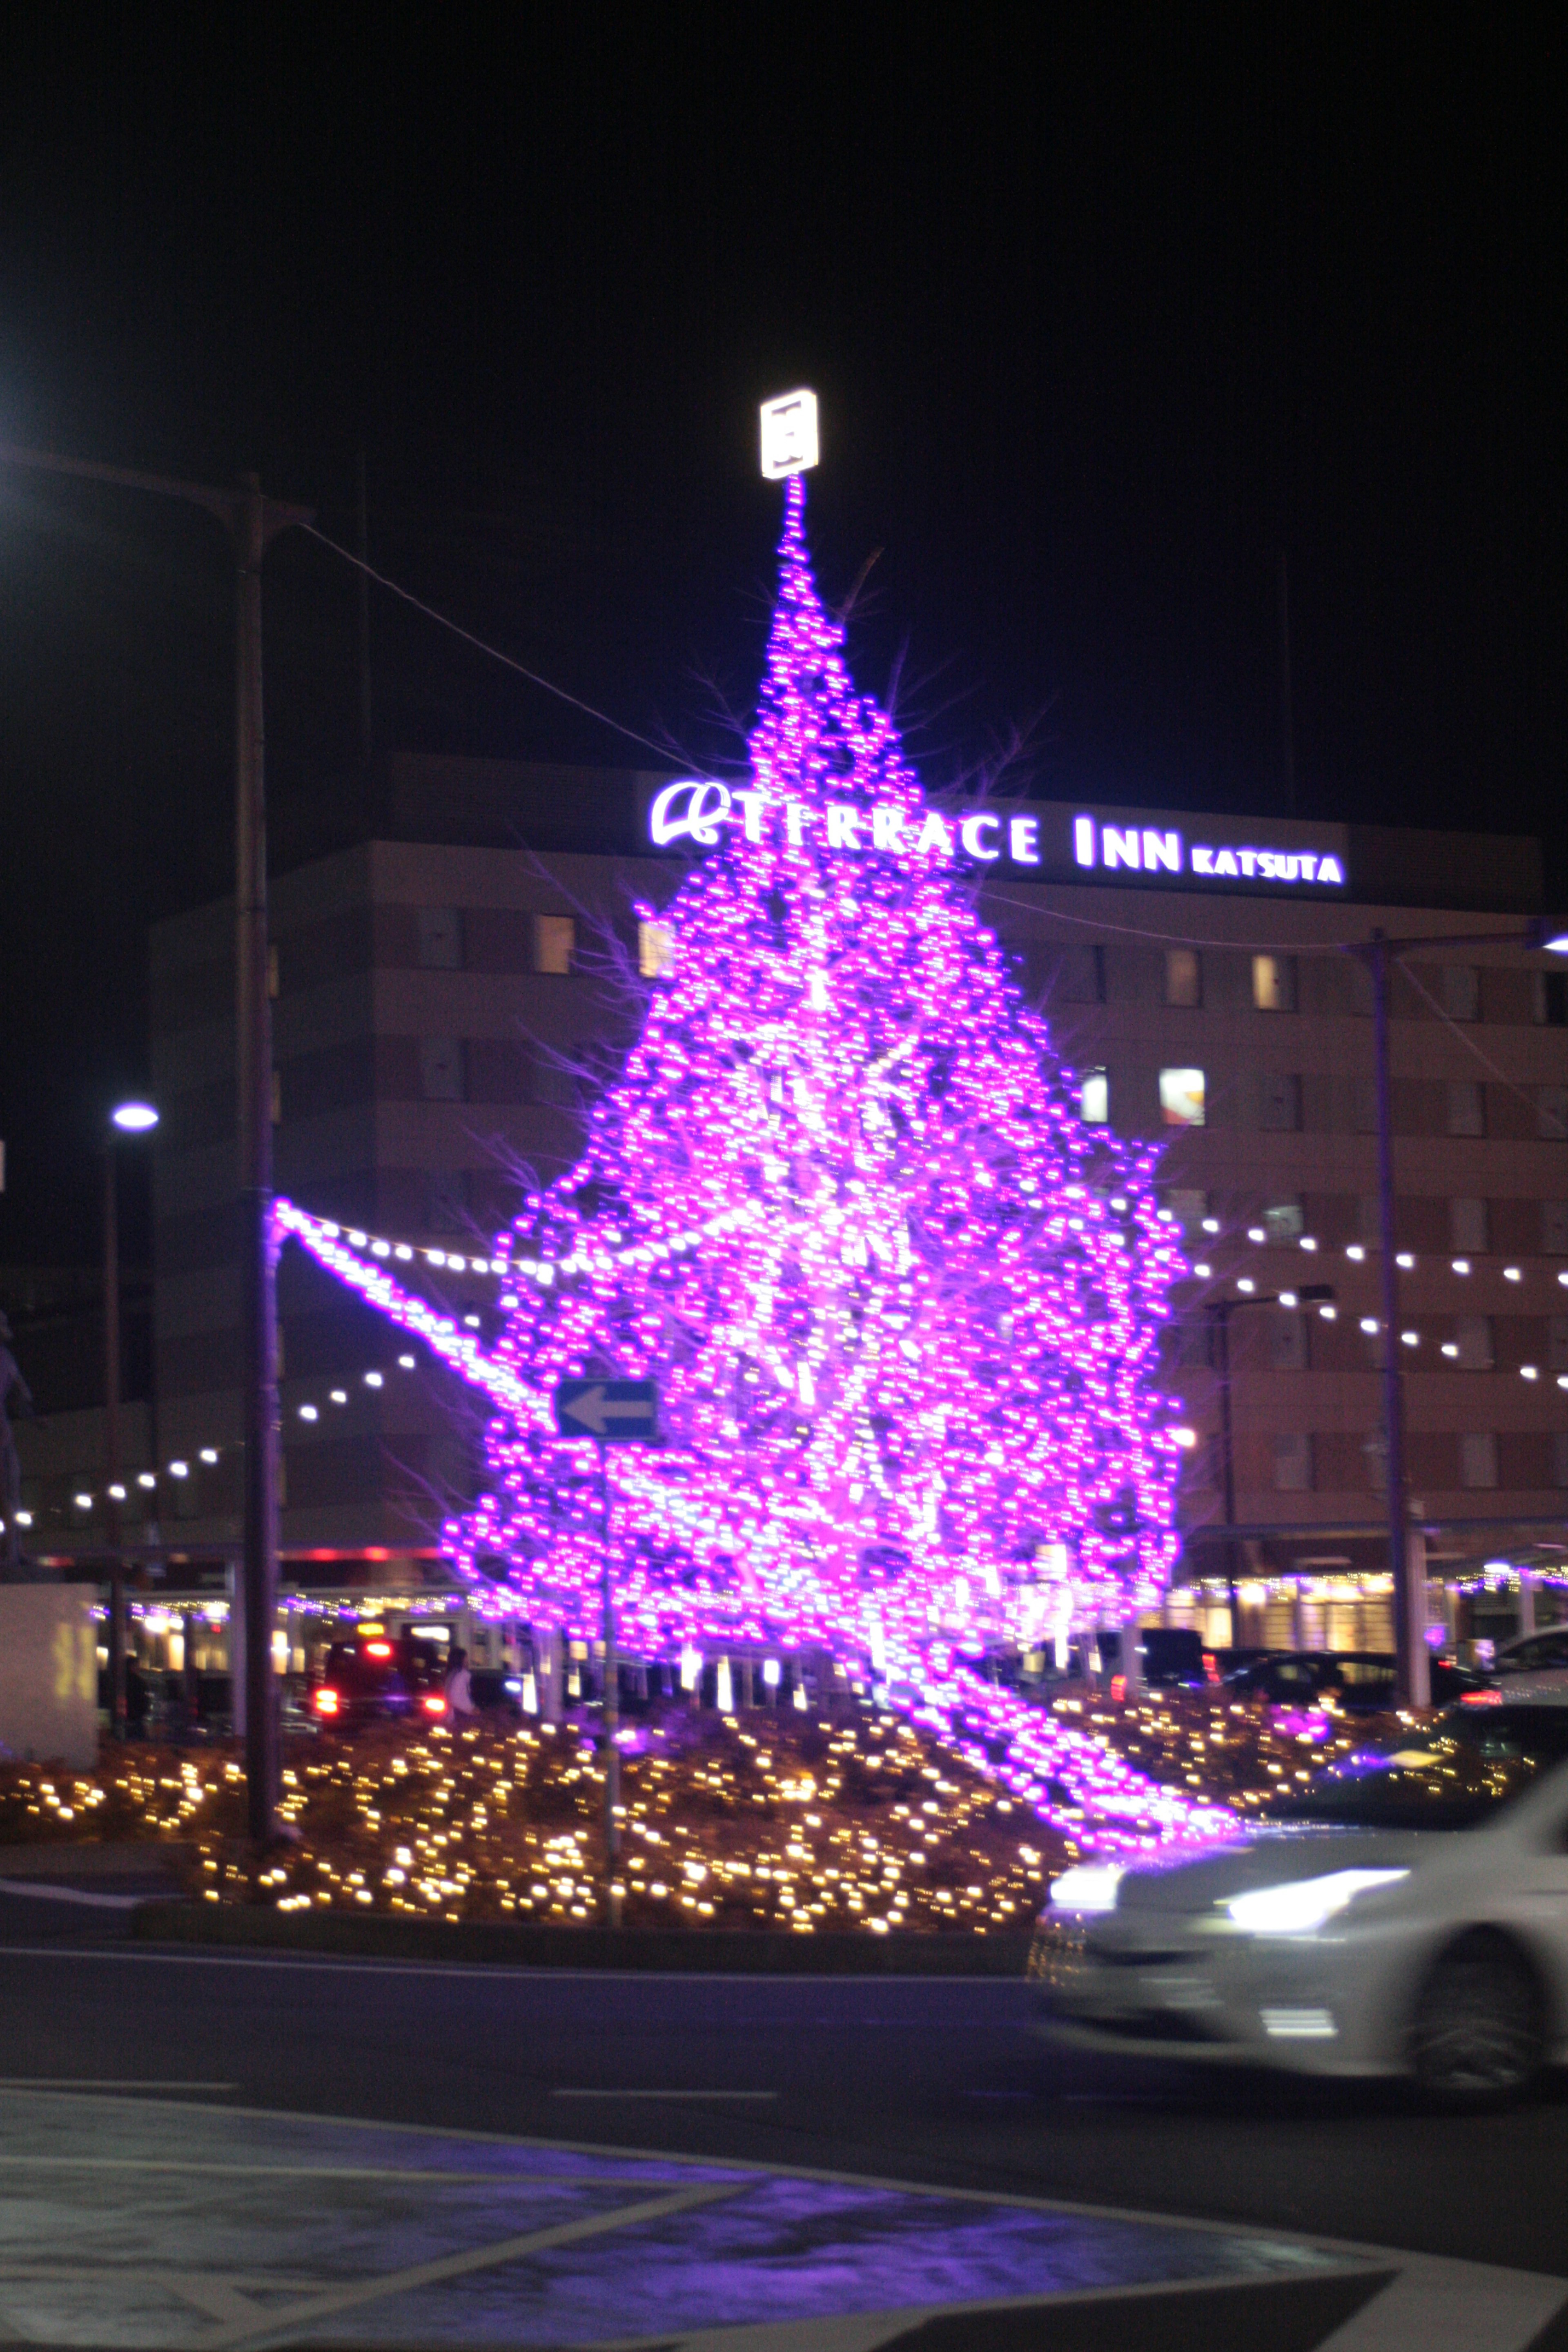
(125, 1119)
(133, 1117)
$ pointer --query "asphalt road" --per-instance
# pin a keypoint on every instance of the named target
(926, 2081)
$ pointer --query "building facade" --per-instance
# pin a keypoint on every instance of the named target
(449, 997)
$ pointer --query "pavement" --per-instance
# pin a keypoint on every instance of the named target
(228, 2150)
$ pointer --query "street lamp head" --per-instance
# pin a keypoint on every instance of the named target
(133, 1117)
(1550, 932)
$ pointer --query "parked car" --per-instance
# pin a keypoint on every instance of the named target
(373, 1680)
(1353, 1933)
(1542, 1656)
(1356, 1682)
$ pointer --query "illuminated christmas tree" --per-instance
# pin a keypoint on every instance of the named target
(902, 1305)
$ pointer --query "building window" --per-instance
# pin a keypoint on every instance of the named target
(554, 942)
(441, 1069)
(1287, 1341)
(655, 949)
(440, 938)
(1274, 983)
(1560, 1457)
(1473, 1339)
(1189, 1208)
(1554, 1228)
(1552, 998)
(1374, 1454)
(554, 1084)
(1557, 1343)
(1182, 1098)
(1478, 1458)
(1094, 1098)
(1284, 1221)
(1467, 1109)
(1083, 976)
(1461, 996)
(1469, 1228)
(1184, 976)
(1292, 1462)
(1552, 1113)
(1281, 1104)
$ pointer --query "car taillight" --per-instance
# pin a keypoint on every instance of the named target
(432, 1704)
(326, 1700)
(1211, 1667)
(1482, 1698)
(1118, 1688)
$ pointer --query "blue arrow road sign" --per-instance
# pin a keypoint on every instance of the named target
(617, 1412)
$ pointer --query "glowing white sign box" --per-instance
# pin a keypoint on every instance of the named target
(697, 808)
(1153, 849)
(789, 435)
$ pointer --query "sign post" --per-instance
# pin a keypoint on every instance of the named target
(612, 1413)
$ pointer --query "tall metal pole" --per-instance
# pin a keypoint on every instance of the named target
(118, 1706)
(1220, 1312)
(1409, 1631)
(256, 1242)
(612, 1710)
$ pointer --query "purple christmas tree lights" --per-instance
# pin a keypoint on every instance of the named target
(903, 1307)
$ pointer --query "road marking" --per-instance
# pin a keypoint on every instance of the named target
(481, 1971)
(39, 1890)
(89, 2082)
(286, 2318)
(664, 2094)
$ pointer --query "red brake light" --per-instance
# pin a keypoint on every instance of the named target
(1211, 1667)
(1482, 1698)
(433, 1705)
(378, 1649)
(1118, 1687)
(326, 1700)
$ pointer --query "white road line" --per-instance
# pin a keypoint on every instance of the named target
(287, 2319)
(39, 1890)
(197, 2164)
(486, 1971)
(89, 2082)
(664, 2094)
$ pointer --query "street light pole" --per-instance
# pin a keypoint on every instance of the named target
(1411, 1665)
(118, 1709)
(252, 522)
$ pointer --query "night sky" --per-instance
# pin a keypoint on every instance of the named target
(1107, 311)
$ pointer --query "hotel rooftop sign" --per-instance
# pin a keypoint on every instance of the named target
(1051, 841)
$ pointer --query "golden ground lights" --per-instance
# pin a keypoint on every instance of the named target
(849, 1819)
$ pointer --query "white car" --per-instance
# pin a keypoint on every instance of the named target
(1407, 1913)
(1542, 1656)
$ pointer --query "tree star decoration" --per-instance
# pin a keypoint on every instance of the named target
(902, 1305)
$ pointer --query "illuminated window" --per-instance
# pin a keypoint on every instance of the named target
(1184, 976)
(1094, 1099)
(1182, 1098)
(655, 949)
(1478, 1458)
(554, 942)
(1284, 1221)
(1274, 983)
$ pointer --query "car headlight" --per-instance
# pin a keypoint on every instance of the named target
(1089, 1886)
(1302, 1906)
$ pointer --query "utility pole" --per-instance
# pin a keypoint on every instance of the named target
(252, 522)
(612, 1714)
(118, 1698)
(1409, 1608)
